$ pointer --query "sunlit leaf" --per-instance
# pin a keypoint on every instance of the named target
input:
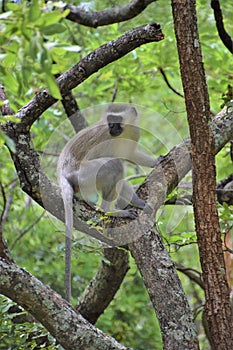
(52, 86)
(10, 143)
(34, 11)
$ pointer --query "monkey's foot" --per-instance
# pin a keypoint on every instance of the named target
(126, 213)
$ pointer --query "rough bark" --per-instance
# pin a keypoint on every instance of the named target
(165, 291)
(217, 309)
(70, 329)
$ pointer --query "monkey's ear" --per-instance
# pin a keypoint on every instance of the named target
(133, 111)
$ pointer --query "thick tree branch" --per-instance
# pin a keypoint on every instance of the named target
(103, 287)
(224, 36)
(70, 329)
(217, 310)
(165, 291)
(109, 16)
(89, 65)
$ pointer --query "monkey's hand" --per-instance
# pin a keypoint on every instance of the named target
(158, 161)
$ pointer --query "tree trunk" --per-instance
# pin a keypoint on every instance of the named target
(217, 310)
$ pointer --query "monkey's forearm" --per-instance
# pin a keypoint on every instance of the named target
(143, 159)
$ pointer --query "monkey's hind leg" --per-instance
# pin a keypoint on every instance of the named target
(109, 175)
(128, 196)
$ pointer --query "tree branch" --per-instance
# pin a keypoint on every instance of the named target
(89, 65)
(109, 16)
(165, 291)
(192, 274)
(73, 112)
(103, 287)
(70, 329)
(224, 36)
(167, 82)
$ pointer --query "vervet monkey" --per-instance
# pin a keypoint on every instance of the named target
(92, 162)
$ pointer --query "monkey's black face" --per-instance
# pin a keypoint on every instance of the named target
(115, 125)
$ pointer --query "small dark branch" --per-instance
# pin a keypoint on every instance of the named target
(225, 190)
(114, 93)
(4, 204)
(3, 6)
(26, 230)
(103, 287)
(224, 36)
(192, 274)
(167, 82)
(4, 252)
(109, 16)
(89, 65)
(182, 200)
(225, 181)
(4, 109)
(231, 150)
(73, 112)
(8, 203)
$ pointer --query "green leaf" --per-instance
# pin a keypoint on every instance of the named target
(49, 18)
(2, 139)
(10, 143)
(53, 29)
(34, 11)
(9, 60)
(52, 86)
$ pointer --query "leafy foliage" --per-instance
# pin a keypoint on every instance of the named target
(38, 43)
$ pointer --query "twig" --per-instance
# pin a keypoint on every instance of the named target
(8, 203)
(224, 36)
(167, 82)
(27, 229)
(3, 206)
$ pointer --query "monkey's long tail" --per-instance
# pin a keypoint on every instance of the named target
(67, 194)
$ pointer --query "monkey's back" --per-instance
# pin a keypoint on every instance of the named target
(96, 142)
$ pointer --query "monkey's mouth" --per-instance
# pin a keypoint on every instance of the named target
(115, 132)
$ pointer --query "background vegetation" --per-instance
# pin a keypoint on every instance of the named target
(35, 45)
